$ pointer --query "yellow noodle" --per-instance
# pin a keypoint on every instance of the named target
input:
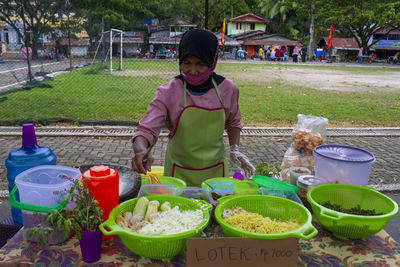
(256, 223)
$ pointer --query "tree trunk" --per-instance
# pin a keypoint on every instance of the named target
(310, 44)
(90, 33)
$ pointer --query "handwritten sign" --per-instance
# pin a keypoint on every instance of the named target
(241, 252)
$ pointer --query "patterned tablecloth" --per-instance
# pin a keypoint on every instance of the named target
(322, 250)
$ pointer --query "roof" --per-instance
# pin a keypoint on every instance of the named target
(248, 34)
(183, 22)
(249, 17)
(387, 45)
(228, 41)
(272, 42)
(165, 40)
(343, 43)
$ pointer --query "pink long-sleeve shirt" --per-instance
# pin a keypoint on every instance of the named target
(168, 103)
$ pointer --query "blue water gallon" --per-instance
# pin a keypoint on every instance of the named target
(26, 157)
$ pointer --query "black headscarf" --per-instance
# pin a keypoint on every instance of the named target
(201, 44)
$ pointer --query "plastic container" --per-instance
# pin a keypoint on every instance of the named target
(221, 188)
(345, 225)
(296, 172)
(305, 183)
(21, 159)
(194, 193)
(177, 182)
(343, 164)
(274, 207)
(245, 187)
(42, 189)
(156, 189)
(46, 185)
(162, 247)
(103, 182)
(288, 194)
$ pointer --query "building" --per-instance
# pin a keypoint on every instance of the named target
(344, 48)
(245, 23)
(252, 41)
(387, 44)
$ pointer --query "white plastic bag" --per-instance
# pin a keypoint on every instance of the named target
(309, 132)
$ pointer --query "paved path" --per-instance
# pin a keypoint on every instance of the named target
(117, 150)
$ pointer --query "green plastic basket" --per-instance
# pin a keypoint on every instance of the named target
(245, 187)
(271, 206)
(179, 183)
(345, 225)
(162, 247)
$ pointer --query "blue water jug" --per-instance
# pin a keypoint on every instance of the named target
(26, 157)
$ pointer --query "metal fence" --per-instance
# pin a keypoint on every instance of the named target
(83, 87)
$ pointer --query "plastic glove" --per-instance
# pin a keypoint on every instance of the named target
(241, 161)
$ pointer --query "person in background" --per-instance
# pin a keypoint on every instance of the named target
(303, 54)
(278, 54)
(261, 53)
(272, 55)
(196, 107)
(360, 55)
(295, 53)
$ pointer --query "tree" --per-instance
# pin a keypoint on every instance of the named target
(39, 17)
(361, 19)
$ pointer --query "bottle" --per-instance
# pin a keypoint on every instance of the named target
(21, 159)
(103, 182)
(305, 183)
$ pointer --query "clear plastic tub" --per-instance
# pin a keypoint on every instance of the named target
(288, 194)
(194, 192)
(156, 189)
(46, 185)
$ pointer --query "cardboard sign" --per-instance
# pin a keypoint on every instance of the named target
(241, 252)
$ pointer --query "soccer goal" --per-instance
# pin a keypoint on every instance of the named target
(109, 49)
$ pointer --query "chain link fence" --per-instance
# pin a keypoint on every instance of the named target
(67, 80)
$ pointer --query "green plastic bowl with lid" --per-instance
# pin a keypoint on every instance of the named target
(345, 225)
(268, 206)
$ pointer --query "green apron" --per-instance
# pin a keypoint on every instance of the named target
(196, 150)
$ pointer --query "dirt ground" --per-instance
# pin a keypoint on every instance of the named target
(317, 78)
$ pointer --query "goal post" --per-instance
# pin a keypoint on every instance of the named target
(104, 50)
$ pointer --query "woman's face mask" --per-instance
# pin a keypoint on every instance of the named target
(194, 70)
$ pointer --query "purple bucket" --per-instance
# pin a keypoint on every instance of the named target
(91, 246)
(343, 164)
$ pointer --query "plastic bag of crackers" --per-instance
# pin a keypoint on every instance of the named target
(309, 132)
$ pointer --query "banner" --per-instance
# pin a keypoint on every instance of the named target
(223, 33)
(330, 37)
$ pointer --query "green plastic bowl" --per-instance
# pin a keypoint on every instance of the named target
(162, 247)
(179, 183)
(245, 187)
(343, 225)
(271, 206)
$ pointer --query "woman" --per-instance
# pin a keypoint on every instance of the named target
(196, 107)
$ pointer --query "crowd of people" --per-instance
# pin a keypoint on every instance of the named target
(272, 53)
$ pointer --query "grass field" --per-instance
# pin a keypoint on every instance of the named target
(82, 97)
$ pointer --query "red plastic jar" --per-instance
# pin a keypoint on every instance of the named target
(104, 185)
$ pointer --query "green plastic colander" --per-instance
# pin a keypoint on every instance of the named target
(162, 247)
(345, 225)
(267, 206)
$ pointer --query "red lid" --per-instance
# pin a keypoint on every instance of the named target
(100, 171)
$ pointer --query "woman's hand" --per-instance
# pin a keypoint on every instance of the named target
(240, 160)
(140, 147)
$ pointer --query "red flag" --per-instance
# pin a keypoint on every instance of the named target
(223, 33)
(330, 37)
